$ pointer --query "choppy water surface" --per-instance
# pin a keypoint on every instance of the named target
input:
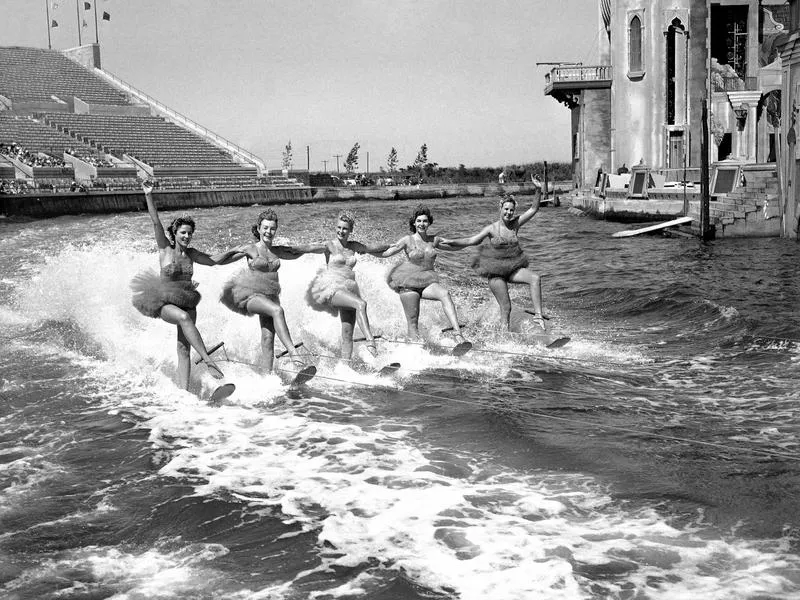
(655, 456)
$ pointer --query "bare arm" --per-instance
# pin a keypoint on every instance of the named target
(220, 258)
(398, 246)
(463, 242)
(292, 252)
(374, 249)
(161, 237)
(528, 214)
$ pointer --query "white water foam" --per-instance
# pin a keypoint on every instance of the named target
(369, 487)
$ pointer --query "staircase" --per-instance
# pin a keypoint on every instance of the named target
(750, 210)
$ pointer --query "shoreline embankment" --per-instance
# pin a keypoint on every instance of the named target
(47, 205)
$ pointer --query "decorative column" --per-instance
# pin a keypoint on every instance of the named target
(744, 106)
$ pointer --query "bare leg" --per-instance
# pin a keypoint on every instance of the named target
(266, 307)
(410, 302)
(184, 360)
(499, 288)
(535, 282)
(267, 341)
(348, 300)
(185, 322)
(436, 291)
(348, 318)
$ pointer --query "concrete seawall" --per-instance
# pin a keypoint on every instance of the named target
(73, 203)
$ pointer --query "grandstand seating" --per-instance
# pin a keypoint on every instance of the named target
(35, 136)
(152, 140)
(41, 84)
(34, 74)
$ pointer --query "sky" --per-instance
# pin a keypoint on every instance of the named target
(457, 75)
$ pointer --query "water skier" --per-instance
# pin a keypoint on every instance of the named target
(502, 261)
(255, 290)
(334, 288)
(415, 279)
(171, 295)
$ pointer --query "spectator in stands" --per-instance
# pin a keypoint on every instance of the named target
(172, 295)
(255, 290)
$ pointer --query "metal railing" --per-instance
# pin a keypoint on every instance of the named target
(578, 73)
(184, 120)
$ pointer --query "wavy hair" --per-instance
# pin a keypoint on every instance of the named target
(418, 212)
(267, 215)
(349, 219)
(508, 198)
(176, 224)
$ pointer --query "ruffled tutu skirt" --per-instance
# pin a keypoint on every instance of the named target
(151, 293)
(501, 261)
(409, 276)
(247, 283)
(326, 283)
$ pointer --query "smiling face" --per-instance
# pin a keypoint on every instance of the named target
(421, 223)
(183, 235)
(507, 210)
(267, 229)
(343, 230)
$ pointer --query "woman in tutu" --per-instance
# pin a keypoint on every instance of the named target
(502, 260)
(255, 290)
(415, 279)
(334, 288)
(171, 295)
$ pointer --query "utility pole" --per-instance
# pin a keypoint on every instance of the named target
(367, 162)
(78, 14)
(337, 157)
(325, 165)
(49, 23)
(308, 159)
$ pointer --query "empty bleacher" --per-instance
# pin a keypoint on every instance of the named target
(36, 136)
(116, 139)
(172, 150)
(34, 74)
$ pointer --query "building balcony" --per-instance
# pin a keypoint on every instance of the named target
(577, 78)
(564, 83)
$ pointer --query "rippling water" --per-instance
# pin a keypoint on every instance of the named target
(655, 456)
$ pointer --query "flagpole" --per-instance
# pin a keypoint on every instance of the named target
(78, 13)
(96, 29)
(47, 8)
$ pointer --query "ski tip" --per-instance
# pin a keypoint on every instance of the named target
(461, 349)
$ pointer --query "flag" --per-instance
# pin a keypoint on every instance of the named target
(54, 23)
(106, 16)
(85, 24)
(87, 5)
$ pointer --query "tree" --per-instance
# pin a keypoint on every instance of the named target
(351, 162)
(286, 163)
(422, 157)
(391, 160)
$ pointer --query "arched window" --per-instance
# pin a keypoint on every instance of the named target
(635, 61)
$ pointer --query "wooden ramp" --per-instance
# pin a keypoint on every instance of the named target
(657, 227)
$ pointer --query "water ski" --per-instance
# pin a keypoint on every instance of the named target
(304, 375)
(389, 369)
(461, 349)
(222, 392)
(657, 227)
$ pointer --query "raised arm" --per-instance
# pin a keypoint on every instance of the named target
(161, 238)
(528, 214)
(463, 242)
